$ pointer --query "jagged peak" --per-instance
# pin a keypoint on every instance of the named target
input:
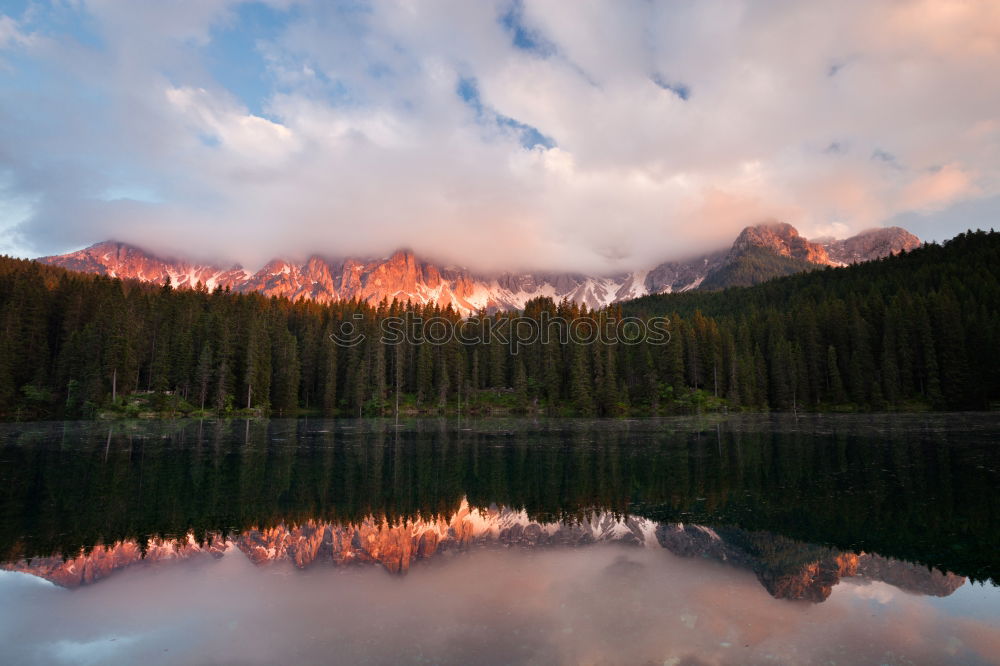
(782, 239)
(405, 275)
(402, 253)
(774, 226)
(278, 264)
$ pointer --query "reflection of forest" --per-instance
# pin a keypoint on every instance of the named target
(925, 495)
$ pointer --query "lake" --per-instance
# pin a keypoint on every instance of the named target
(830, 539)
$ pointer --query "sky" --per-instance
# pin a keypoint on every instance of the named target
(497, 134)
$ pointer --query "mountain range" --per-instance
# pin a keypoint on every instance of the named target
(759, 253)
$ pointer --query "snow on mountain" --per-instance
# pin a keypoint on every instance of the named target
(403, 276)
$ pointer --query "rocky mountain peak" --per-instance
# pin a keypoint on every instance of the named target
(405, 277)
(782, 239)
(872, 244)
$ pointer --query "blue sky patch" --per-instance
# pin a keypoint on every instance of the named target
(522, 36)
(682, 90)
(530, 136)
(233, 55)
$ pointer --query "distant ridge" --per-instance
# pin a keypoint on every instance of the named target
(759, 253)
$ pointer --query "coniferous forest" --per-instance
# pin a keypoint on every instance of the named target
(914, 331)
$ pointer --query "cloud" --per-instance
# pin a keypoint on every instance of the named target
(610, 137)
(936, 189)
(11, 34)
(249, 138)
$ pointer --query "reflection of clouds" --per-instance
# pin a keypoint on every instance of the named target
(16, 579)
(872, 590)
(973, 636)
(593, 605)
(96, 651)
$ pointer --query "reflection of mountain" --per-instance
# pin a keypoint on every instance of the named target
(102, 561)
(786, 568)
(398, 546)
(395, 546)
(793, 570)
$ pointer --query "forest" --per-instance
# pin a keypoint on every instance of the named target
(916, 331)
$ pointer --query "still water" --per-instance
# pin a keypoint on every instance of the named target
(749, 539)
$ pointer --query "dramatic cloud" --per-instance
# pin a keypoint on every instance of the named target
(500, 134)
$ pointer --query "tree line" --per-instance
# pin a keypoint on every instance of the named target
(917, 330)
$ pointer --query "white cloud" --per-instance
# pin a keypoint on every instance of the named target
(937, 189)
(365, 145)
(243, 135)
(11, 33)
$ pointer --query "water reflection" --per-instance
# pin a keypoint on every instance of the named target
(913, 488)
(787, 569)
(601, 604)
(671, 541)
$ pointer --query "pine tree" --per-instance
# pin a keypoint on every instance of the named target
(425, 372)
(580, 379)
(520, 384)
(329, 375)
(204, 373)
(285, 380)
(890, 366)
(835, 386)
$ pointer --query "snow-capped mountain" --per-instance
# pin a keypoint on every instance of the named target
(404, 276)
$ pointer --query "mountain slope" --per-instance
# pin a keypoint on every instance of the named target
(767, 251)
(871, 244)
(753, 266)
